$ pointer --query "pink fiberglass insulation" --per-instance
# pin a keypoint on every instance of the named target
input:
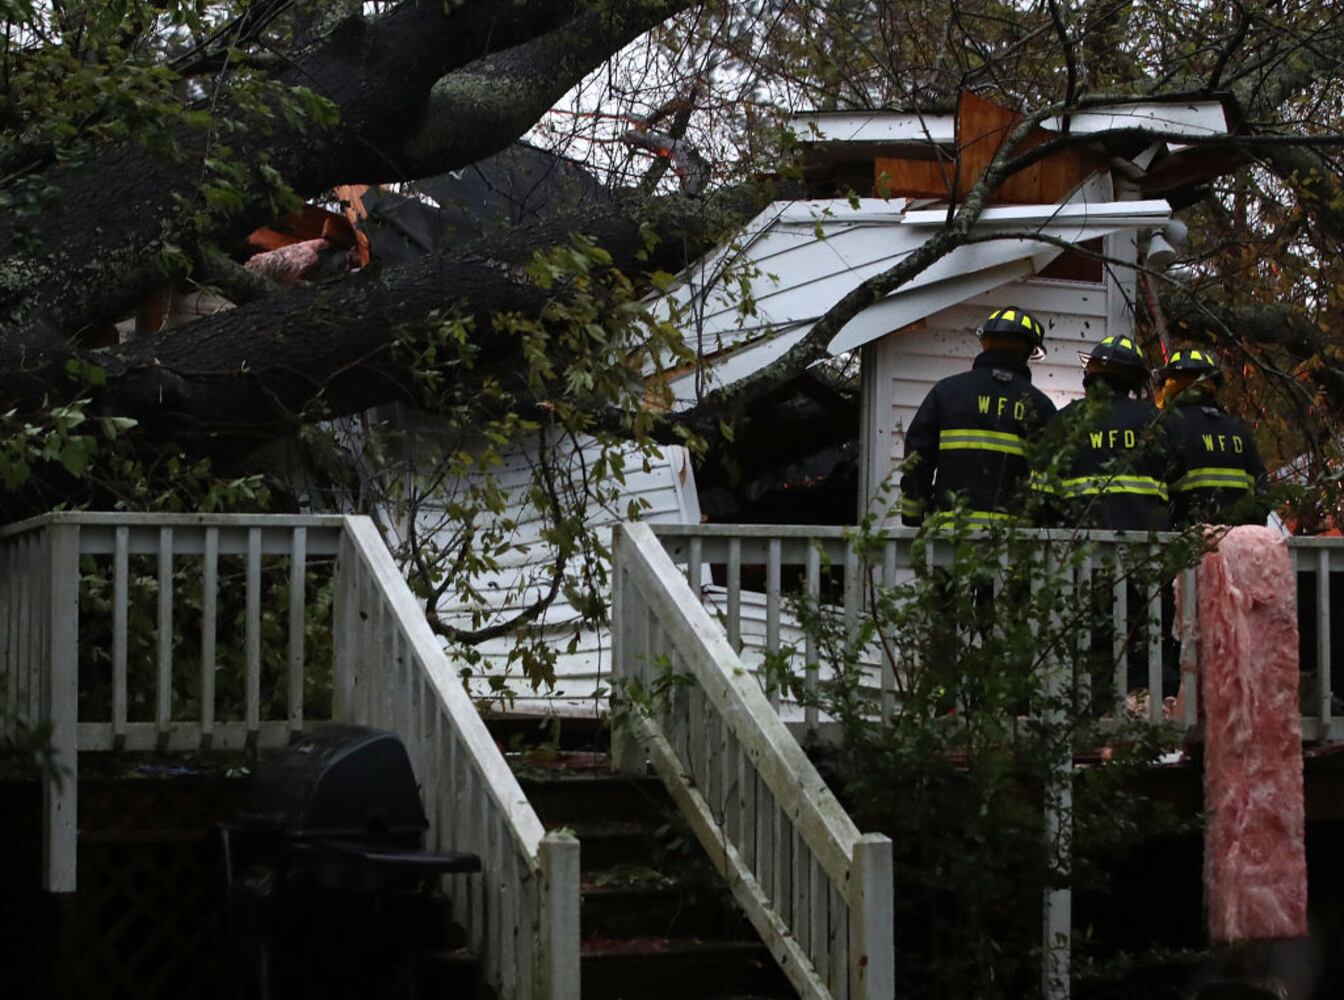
(1255, 867)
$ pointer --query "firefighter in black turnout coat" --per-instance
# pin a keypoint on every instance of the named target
(967, 442)
(1111, 458)
(1217, 475)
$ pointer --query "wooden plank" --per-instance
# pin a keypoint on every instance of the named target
(1188, 660)
(252, 640)
(344, 630)
(872, 958)
(818, 914)
(209, 632)
(1154, 634)
(735, 593)
(558, 974)
(1119, 634)
(1323, 692)
(1083, 676)
(888, 696)
(120, 619)
(60, 801)
(163, 702)
(8, 666)
(298, 578)
(904, 177)
(627, 757)
(782, 865)
(93, 520)
(694, 565)
(798, 915)
(185, 736)
(838, 948)
(767, 835)
(772, 609)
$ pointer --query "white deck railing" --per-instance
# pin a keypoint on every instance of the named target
(182, 632)
(817, 890)
(718, 744)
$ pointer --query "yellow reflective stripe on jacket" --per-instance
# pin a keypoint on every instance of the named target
(1094, 485)
(975, 439)
(1041, 484)
(1209, 477)
(969, 517)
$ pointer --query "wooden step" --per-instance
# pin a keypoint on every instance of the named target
(615, 911)
(653, 968)
(572, 798)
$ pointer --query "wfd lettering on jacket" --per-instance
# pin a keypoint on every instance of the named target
(987, 404)
(1238, 446)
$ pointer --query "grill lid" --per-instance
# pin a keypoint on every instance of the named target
(340, 782)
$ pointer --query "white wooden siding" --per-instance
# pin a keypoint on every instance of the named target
(584, 654)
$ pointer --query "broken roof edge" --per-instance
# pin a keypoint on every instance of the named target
(936, 125)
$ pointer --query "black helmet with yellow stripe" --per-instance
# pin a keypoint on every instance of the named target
(1192, 361)
(1015, 322)
(1117, 357)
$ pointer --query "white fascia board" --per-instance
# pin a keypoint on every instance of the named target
(1190, 118)
(841, 210)
(875, 126)
(901, 310)
(1119, 213)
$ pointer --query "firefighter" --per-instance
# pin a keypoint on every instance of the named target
(1216, 475)
(967, 442)
(1113, 456)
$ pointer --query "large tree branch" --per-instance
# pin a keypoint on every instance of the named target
(505, 93)
(256, 372)
(113, 225)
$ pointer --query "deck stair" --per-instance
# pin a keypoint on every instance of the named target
(656, 920)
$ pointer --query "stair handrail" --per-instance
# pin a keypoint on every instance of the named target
(522, 913)
(817, 890)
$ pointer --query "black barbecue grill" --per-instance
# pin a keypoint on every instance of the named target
(331, 892)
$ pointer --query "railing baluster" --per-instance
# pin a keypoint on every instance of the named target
(735, 594)
(799, 885)
(120, 619)
(838, 974)
(818, 915)
(1082, 598)
(60, 576)
(729, 792)
(782, 863)
(1120, 634)
(1323, 680)
(853, 594)
(1188, 660)
(298, 577)
(25, 647)
(694, 562)
(746, 809)
(163, 704)
(1154, 634)
(767, 835)
(772, 608)
(209, 632)
(810, 641)
(888, 663)
(8, 581)
(252, 657)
